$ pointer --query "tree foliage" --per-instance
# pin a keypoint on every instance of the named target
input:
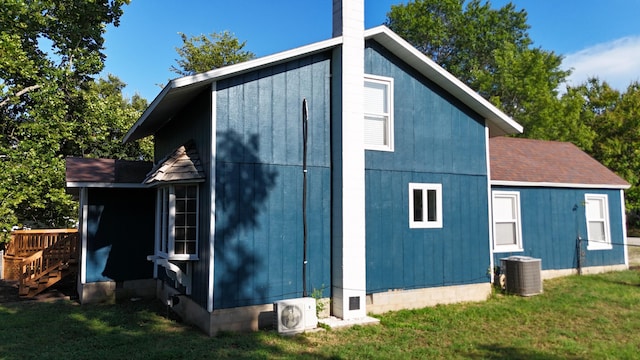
(489, 50)
(51, 107)
(203, 53)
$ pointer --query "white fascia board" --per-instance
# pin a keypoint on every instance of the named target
(221, 73)
(557, 185)
(408, 53)
(74, 184)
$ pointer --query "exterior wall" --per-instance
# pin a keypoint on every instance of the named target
(194, 123)
(552, 218)
(119, 234)
(437, 140)
(259, 228)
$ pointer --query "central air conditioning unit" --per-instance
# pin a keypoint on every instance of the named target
(523, 275)
(294, 316)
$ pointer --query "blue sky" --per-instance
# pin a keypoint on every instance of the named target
(596, 37)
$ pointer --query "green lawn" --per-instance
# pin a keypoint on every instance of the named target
(588, 317)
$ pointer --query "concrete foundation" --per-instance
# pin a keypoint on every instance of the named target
(379, 303)
(110, 291)
(550, 274)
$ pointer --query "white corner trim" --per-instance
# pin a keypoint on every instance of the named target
(489, 202)
(84, 215)
(624, 228)
(212, 199)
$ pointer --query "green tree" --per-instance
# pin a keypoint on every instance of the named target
(489, 50)
(614, 118)
(50, 106)
(203, 53)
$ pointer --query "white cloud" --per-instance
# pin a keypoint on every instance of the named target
(616, 62)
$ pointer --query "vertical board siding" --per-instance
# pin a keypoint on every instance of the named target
(437, 140)
(550, 227)
(194, 123)
(259, 233)
(119, 234)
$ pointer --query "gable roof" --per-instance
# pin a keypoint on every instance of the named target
(85, 172)
(183, 164)
(178, 92)
(528, 162)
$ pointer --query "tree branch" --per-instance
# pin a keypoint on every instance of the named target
(20, 93)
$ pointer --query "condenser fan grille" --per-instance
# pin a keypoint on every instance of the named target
(291, 316)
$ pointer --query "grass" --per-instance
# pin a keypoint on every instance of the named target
(595, 316)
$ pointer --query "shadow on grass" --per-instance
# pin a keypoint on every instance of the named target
(128, 330)
(498, 351)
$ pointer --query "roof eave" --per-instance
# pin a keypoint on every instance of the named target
(559, 185)
(499, 123)
(198, 81)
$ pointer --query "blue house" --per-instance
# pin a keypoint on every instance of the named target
(387, 183)
(554, 202)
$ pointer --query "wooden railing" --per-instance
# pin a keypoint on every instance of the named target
(45, 267)
(41, 257)
(25, 243)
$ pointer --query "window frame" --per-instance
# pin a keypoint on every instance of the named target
(389, 124)
(593, 244)
(516, 246)
(166, 222)
(425, 223)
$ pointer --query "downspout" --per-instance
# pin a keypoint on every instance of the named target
(305, 118)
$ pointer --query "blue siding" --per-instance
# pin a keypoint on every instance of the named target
(259, 237)
(437, 140)
(114, 254)
(194, 123)
(552, 219)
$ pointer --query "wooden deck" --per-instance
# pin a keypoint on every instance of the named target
(38, 259)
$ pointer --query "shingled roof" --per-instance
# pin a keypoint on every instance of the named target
(83, 172)
(182, 165)
(548, 163)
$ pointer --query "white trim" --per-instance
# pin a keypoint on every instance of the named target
(562, 185)
(489, 203)
(434, 72)
(624, 228)
(84, 215)
(81, 184)
(518, 246)
(599, 245)
(498, 122)
(227, 71)
(212, 185)
(425, 223)
(389, 125)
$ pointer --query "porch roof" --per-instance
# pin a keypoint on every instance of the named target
(85, 172)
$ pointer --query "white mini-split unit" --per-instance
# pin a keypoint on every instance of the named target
(295, 315)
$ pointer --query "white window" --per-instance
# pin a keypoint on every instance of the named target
(177, 222)
(507, 227)
(378, 113)
(597, 213)
(425, 205)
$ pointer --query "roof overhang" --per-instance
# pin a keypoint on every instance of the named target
(557, 185)
(178, 92)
